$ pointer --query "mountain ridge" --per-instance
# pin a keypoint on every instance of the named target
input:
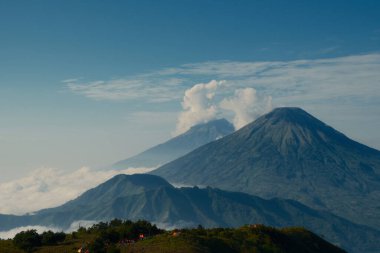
(151, 198)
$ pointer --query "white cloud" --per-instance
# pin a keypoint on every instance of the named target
(71, 80)
(40, 229)
(291, 81)
(246, 105)
(197, 105)
(176, 225)
(145, 87)
(47, 187)
(81, 224)
(344, 84)
(301, 80)
(288, 82)
(130, 171)
(200, 105)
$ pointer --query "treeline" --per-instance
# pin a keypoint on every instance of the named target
(109, 234)
(30, 239)
(119, 236)
(104, 236)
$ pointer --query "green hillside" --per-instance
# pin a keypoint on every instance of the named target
(123, 236)
(245, 239)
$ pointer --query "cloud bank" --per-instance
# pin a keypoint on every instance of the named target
(47, 187)
(348, 86)
(146, 87)
(40, 229)
(315, 80)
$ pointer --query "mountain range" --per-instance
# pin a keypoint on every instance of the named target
(178, 146)
(150, 197)
(286, 168)
(289, 154)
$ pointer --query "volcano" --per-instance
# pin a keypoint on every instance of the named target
(178, 146)
(290, 154)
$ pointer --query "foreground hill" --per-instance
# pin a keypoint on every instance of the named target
(116, 236)
(152, 198)
(288, 153)
(246, 239)
(176, 147)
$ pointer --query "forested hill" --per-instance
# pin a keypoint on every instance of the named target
(141, 236)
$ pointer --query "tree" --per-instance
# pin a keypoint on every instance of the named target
(98, 246)
(27, 240)
(110, 236)
(51, 238)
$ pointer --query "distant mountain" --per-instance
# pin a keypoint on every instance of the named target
(288, 153)
(152, 198)
(178, 146)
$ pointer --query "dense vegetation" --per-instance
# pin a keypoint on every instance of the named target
(119, 236)
(30, 239)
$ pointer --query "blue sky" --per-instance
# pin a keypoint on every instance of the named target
(86, 83)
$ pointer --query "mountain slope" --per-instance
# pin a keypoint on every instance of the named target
(176, 147)
(288, 153)
(152, 198)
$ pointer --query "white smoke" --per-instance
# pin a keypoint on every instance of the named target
(246, 106)
(200, 106)
(47, 187)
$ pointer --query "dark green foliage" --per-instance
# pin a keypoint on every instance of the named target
(30, 239)
(98, 246)
(247, 239)
(51, 238)
(27, 240)
(113, 249)
(252, 239)
(116, 230)
(110, 233)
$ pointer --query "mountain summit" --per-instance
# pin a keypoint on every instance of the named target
(288, 153)
(195, 137)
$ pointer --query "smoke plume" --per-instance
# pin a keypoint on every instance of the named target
(200, 105)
